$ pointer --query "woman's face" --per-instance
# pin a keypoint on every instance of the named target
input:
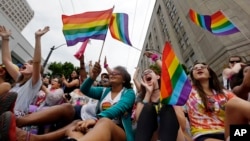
(55, 83)
(115, 77)
(73, 74)
(27, 68)
(200, 72)
(149, 77)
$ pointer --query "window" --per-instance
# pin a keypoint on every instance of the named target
(193, 57)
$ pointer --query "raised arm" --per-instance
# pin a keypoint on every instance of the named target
(6, 54)
(154, 57)
(37, 55)
(243, 90)
(106, 66)
(136, 81)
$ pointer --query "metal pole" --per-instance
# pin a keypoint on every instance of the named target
(51, 50)
(47, 59)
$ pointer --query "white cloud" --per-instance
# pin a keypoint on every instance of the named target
(48, 12)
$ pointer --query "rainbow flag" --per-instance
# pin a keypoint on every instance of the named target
(119, 27)
(220, 25)
(217, 23)
(204, 21)
(80, 27)
(175, 85)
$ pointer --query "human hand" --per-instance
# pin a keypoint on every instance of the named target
(4, 33)
(40, 32)
(149, 87)
(83, 126)
(96, 70)
(148, 53)
(90, 63)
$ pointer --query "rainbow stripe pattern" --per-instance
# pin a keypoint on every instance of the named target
(203, 21)
(175, 85)
(217, 23)
(80, 27)
(119, 27)
(221, 25)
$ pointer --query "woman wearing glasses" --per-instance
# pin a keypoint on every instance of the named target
(113, 109)
(206, 104)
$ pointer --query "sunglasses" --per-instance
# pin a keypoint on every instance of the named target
(236, 61)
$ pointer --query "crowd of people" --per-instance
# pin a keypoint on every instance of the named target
(85, 109)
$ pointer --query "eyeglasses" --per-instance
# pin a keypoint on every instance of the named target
(234, 61)
(115, 73)
(199, 67)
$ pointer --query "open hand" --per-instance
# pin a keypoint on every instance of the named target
(4, 33)
(40, 32)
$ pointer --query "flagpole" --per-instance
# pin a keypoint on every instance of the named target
(136, 48)
(236, 27)
(105, 35)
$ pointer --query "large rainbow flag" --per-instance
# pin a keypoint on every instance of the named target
(119, 27)
(217, 23)
(220, 25)
(80, 27)
(175, 85)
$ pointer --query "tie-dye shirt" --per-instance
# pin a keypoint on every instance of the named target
(203, 122)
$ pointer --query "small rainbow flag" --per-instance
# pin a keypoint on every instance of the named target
(175, 85)
(119, 27)
(203, 21)
(80, 27)
(220, 25)
(217, 23)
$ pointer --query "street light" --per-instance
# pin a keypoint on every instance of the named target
(51, 50)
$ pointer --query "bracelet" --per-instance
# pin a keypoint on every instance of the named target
(154, 57)
(106, 65)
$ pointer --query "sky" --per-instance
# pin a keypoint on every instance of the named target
(49, 12)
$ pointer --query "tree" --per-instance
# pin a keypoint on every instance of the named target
(59, 69)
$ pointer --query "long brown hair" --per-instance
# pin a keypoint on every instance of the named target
(214, 84)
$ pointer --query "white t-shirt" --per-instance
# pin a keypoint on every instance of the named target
(107, 102)
(26, 95)
(88, 111)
